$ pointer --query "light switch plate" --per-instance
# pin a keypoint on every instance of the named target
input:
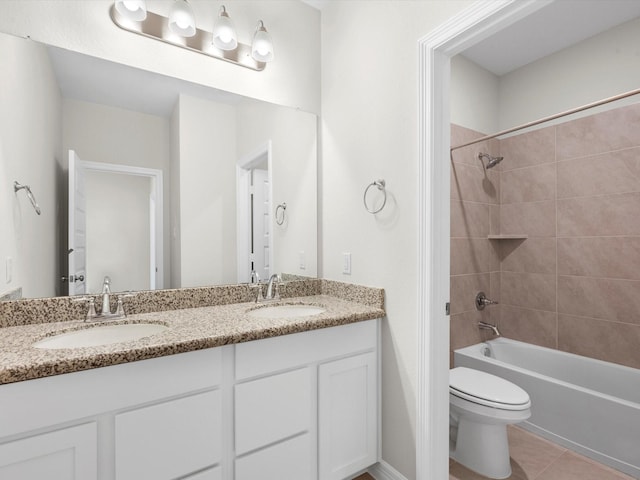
(346, 263)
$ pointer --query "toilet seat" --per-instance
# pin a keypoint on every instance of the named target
(485, 389)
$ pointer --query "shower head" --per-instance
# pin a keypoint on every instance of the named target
(491, 161)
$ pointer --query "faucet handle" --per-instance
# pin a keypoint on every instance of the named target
(120, 305)
(91, 303)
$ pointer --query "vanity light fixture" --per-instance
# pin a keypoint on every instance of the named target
(224, 35)
(262, 47)
(181, 19)
(135, 10)
(179, 29)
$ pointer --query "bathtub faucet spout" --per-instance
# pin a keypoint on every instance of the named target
(488, 326)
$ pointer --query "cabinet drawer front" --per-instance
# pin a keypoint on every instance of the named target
(272, 408)
(261, 357)
(171, 439)
(290, 460)
(66, 454)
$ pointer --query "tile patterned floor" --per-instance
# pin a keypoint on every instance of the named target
(534, 458)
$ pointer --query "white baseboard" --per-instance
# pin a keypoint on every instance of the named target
(383, 471)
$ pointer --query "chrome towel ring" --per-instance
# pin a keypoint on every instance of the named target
(381, 184)
(280, 217)
(32, 199)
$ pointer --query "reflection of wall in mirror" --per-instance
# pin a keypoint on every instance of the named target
(293, 138)
(30, 152)
(117, 231)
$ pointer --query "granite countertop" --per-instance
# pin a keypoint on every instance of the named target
(189, 329)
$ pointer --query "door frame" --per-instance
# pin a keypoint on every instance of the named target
(481, 20)
(243, 219)
(156, 214)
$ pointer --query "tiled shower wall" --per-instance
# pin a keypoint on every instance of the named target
(574, 282)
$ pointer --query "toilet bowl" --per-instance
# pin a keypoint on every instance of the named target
(481, 406)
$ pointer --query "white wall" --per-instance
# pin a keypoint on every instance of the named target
(292, 79)
(30, 152)
(369, 131)
(294, 148)
(602, 66)
(207, 163)
(117, 231)
(474, 94)
(175, 248)
(100, 133)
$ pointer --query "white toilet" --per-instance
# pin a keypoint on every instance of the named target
(481, 406)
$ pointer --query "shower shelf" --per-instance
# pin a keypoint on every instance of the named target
(508, 237)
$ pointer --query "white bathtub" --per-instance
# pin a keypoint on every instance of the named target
(587, 405)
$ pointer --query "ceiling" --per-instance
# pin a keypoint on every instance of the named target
(552, 28)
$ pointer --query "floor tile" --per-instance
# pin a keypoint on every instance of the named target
(571, 466)
(459, 472)
(531, 454)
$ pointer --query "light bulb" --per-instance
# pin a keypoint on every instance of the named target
(224, 35)
(135, 10)
(262, 46)
(181, 19)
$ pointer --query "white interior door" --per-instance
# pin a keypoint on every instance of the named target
(261, 223)
(77, 253)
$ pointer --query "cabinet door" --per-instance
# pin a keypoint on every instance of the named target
(171, 439)
(347, 416)
(67, 454)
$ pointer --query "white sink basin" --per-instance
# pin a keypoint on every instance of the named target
(101, 335)
(285, 311)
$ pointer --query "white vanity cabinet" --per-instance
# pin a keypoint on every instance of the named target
(295, 407)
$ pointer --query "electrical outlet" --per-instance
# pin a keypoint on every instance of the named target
(301, 261)
(346, 263)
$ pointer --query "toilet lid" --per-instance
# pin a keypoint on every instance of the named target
(486, 389)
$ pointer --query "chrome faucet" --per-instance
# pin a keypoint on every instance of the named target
(255, 278)
(272, 288)
(488, 326)
(106, 294)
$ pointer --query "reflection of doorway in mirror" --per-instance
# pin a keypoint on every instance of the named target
(260, 221)
(123, 226)
(254, 173)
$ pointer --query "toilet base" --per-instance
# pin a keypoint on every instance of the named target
(483, 448)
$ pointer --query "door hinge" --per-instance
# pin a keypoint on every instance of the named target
(447, 308)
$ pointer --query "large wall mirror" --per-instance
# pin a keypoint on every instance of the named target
(172, 184)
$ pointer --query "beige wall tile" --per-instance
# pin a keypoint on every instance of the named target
(494, 222)
(604, 215)
(611, 257)
(531, 148)
(526, 325)
(532, 255)
(529, 290)
(471, 255)
(615, 172)
(530, 184)
(469, 219)
(469, 155)
(601, 339)
(535, 219)
(603, 132)
(464, 329)
(464, 289)
(472, 183)
(604, 298)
